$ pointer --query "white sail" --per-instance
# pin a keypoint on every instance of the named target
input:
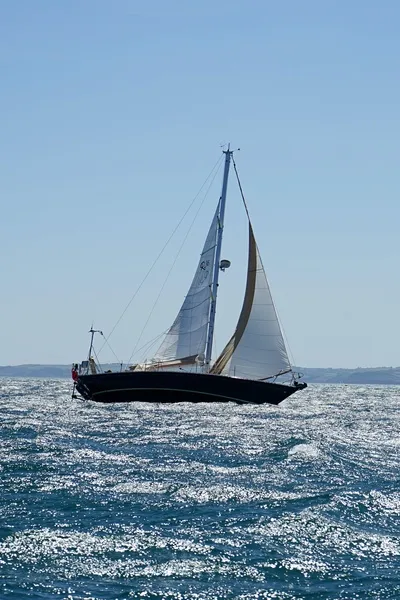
(257, 348)
(187, 337)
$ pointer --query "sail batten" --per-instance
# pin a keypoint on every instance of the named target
(257, 348)
(187, 336)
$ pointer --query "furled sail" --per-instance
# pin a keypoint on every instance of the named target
(187, 337)
(257, 348)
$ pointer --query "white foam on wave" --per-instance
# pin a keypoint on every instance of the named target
(310, 451)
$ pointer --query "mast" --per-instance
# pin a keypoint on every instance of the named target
(214, 286)
(92, 332)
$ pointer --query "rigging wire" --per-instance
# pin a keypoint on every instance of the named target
(108, 344)
(215, 167)
(149, 345)
(241, 189)
(173, 264)
(291, 357)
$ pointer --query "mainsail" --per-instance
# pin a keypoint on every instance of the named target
(187, 337)
(257, 348)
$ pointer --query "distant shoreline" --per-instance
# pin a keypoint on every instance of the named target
(377, 376)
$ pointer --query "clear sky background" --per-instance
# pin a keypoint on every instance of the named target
(112, 116)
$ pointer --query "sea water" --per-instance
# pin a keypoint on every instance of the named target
(199, 501)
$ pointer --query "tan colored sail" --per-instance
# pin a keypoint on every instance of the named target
(257, 348)
(229, 349)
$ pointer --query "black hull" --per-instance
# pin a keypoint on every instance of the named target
(176, 386)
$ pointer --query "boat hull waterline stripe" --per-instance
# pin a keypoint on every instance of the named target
(177, 390)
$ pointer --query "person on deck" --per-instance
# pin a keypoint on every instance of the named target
(74, 372)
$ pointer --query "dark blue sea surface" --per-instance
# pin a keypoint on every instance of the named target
(199, 501)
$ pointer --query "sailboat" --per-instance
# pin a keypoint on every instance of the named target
(253, 368)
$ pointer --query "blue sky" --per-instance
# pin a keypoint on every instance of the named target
(112, 116)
